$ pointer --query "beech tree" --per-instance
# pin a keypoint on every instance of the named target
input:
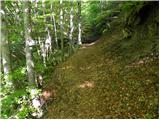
(54, 23)
(45, 31)
(28, 42)
(61, 23)
(71, 24)
(5, 55)
(79, 22)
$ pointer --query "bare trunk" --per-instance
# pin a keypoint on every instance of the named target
(44, 52)
(54, 24)
(0, 43)
(5, 56)
(61, 24)
(27, 32)
(48, 44)
(37, 37)
(79, 23)
(71, 24)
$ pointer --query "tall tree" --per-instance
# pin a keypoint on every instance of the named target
(54, 23)
(48, 40)
(28, 41)
(71, 24)
(43, 45)
(37, 37)
(5, 55)
(61, 24)
(79, 22)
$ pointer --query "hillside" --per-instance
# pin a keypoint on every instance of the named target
(114, 77)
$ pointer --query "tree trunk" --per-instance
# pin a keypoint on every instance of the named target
(5, 56)
(79, 23)
(48, 44)
(27, 36)
(54, 24)
(61, 24)
(71, 24)
(44, 50)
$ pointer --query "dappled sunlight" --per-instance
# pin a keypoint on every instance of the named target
(67, 67)
(87, 45)
(141, 62)
(85, 68)
(87, 84)
(91, 44)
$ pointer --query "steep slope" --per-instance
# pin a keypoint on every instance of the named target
(115, 77)
(92, 84)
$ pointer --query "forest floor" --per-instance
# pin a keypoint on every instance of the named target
(93, 83)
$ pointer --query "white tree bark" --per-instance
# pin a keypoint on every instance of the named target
(48, 44)
(71, 24)
(35, 16)
(5, 56)
(44, 49)
(28, 48)
(61, 23)
(79, 23)
(54, 24)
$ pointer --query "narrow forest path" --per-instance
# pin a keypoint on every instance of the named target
(92, 85)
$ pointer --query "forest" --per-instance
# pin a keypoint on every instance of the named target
(76, 59)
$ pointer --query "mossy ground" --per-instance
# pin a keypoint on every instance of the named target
(97, 83)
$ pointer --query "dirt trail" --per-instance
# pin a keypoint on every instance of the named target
(91, 85)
